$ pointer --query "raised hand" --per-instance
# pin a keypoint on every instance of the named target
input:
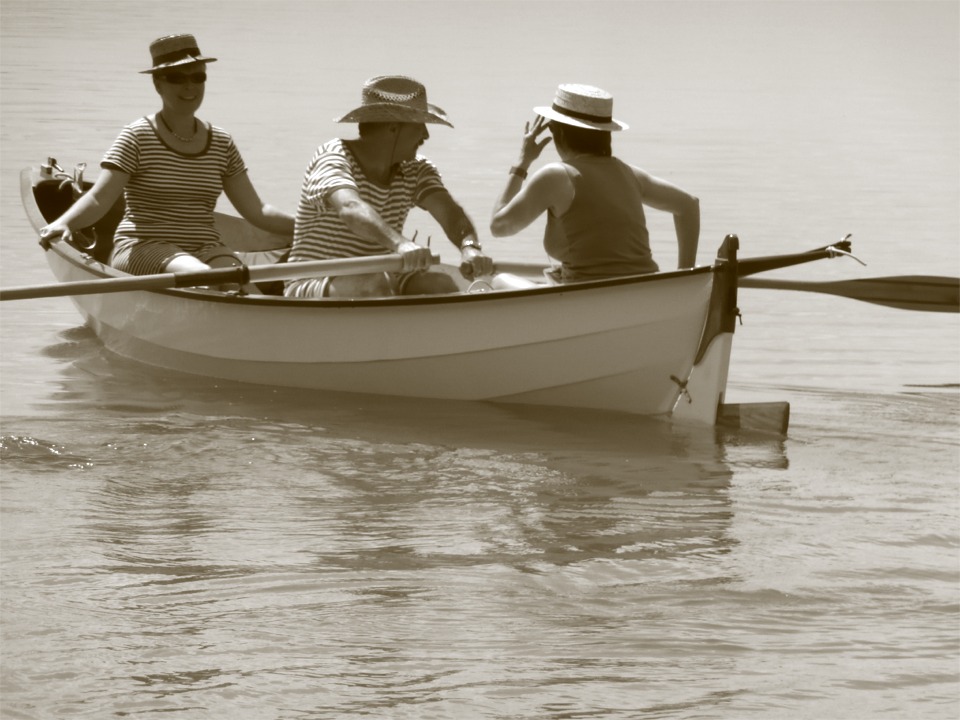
(532, 147)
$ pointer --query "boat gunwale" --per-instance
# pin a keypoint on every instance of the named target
(65, 251)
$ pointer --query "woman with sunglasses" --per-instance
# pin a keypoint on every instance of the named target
(171, 168)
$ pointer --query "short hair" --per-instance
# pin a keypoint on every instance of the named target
(592, 142)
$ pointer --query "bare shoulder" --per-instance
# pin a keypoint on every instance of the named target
(552, 175)
(640, 174)
(552, 169)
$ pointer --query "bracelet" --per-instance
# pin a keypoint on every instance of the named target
(470, 243)
(519, 172)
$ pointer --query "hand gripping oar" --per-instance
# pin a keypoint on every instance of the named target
(216, 276)
(931, 293)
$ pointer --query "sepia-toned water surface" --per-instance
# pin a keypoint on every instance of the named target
(178, 546)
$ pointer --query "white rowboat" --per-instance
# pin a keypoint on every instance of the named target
(655, 345)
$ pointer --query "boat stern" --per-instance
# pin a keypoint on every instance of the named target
(701, 393)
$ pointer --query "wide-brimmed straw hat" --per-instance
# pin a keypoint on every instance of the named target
(583, 106)
(172, 50)
(395, 98)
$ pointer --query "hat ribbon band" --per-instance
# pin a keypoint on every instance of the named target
(176, 55)
(582, 116)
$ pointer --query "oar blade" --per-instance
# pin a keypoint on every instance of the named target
(927, 293)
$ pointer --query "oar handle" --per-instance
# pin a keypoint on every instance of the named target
(339, 266)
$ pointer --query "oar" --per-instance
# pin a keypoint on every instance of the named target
(931, 293)
(745, 266)
(217, 276)
(753, 265)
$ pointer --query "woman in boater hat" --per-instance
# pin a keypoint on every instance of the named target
(171, 168)
(594, 202)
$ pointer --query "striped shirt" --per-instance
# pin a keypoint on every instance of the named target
(320, 234)
(171, 195)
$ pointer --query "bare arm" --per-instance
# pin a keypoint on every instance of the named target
(458, 228)
(517, 206)
(550, 188)
(685, 209)
(239, 189)
(92, 206)
(365, 222)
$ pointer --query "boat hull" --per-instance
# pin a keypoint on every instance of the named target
(626, 344)
(613, 348)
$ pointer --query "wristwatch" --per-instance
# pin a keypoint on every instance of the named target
(471, 243)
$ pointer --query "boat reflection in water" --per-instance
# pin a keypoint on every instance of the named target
(562, 484)
(196, 536)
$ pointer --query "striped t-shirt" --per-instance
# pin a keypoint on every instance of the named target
(171, 195)
(320, 234)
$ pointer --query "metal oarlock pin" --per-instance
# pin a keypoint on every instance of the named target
(833, 251)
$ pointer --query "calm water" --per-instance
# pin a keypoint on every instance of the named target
(204, 550)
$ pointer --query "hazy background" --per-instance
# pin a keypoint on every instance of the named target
(205, 549)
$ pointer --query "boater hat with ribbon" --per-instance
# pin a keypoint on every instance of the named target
(582, 106)
(395, 98)
(173, 50)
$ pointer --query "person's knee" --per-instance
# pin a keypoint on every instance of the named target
(507, 281)
(222, 261)
(185, 263)
(429, 283)
(368, 285)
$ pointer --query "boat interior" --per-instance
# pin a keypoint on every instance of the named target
(55, 196)
(55, 190)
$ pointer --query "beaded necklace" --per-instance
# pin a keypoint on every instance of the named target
(179, 137)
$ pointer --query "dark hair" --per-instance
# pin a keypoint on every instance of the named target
(369, 128)
(592, 142)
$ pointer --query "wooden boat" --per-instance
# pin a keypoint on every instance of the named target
(655, 345)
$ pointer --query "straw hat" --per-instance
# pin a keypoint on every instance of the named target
(582, 106)
(395, 98)
(172, 50)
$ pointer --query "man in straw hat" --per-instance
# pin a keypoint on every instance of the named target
(357, 194)
(594, 202)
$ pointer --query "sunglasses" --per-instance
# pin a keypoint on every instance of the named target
(178, 78)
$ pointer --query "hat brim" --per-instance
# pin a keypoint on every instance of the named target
(183, 61)
(551, 114)
(389, 112)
